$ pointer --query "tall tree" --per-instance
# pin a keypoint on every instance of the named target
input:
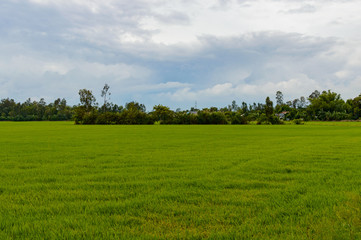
(279, 98)
(269, 107)
(105, 93)
(235, 107)
(302, 102)
(295, 103)
(244, 107)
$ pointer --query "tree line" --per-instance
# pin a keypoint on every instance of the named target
(35, 110)
(322, 106)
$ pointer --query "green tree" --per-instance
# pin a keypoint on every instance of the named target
(135, 106)
(269, 107)
(87, 99)
(244, 108)
(234, 106)
(356, 106)
(163, 114)
(327, 106)
(315, 94)
(85, 113)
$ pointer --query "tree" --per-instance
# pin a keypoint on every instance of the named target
(356, 106)
(105, 93)
(234, 106)
(244, 107)
(213, 109)
(238, 118)
(268, 117)
(314, 95)
(269, 107)
(135, 106)
(295, 103)
(163, 113)
(87, 99)
(302, 103)
(279, 98)
(327, 106)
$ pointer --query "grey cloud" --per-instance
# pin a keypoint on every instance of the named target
(221, 4)
(256, 65)
(59, 24)
(246, 68)
(307, 8)
(67, 47)
(226, 4)
(174, 17)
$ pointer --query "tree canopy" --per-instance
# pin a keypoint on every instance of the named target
(324, 106)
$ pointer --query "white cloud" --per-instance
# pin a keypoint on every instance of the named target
(179, 51)
(228, 91)
(170, 22)
(342, 74)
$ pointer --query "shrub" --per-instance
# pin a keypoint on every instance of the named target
(263, 119)
(239, 119)
(90, 118)
(298, 121)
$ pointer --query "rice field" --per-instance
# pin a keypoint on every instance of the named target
(64, 181)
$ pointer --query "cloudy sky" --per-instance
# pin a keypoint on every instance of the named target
(181, 51)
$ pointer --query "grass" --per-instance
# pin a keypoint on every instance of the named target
(63, 181)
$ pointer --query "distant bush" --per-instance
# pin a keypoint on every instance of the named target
(239, 119)
(271, 120)
(89, 118)
(298, 121)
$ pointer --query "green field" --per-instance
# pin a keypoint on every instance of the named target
(64, 181)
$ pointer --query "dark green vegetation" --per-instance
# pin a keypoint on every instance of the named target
(325, 106)
(35, 110)
(64, 181)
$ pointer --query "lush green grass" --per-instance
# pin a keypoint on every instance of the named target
(59, 180)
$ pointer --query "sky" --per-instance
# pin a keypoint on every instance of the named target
(179, 52)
